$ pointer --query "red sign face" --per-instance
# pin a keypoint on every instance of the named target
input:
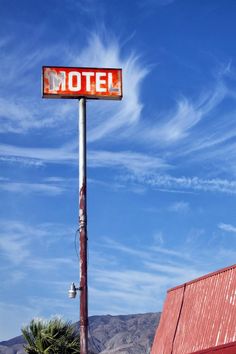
(67, 82)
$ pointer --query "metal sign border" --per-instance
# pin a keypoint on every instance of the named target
(89, 97)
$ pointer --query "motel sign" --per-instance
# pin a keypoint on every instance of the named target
(82, 84)
(92, 83)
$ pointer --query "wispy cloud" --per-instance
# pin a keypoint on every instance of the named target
(14, 247)
(151, 270)
(14, 71)
(142, 283)
(131, 290)
(50, 186)
(181, 127)
(175, 126)
(135, 162)
(149, 252)
(167, 182)
(23, 110)
(63, 154)
(227, 227)
(17, 240)
(171, 252)
(227, 253)
(109, 243)
(50, 264)
(179, 207)
(20, 160)
(143, 170)
(31, 259)
(28, 188)
(111, 117)
(175, 270)
(18, 115)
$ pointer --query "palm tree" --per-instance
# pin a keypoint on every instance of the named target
(51, 337)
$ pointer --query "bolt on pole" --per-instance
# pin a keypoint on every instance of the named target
(83, 228)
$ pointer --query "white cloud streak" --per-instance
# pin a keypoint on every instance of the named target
(14, 247)
(137, 164)
(109, 117)
(17, 240)
(28, 188)
(141, 284)
(167, 182)
(147, 253)
(109, 243)
(179, 207)
(131, 161)
(227, 228)
(51, 186)
(23, 110)
(63, 154)
(174, 270)
(21, 116)
(171, 253)
(174, 127)
(123, 120)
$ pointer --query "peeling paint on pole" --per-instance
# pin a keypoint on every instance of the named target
(83, 228)
(83, 271)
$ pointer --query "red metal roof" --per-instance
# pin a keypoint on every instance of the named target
(199, 316)
(221, 349)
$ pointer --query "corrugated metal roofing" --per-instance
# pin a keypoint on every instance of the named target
(222, 349)
(198, 315)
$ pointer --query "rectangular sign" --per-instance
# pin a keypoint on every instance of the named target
(93, 83)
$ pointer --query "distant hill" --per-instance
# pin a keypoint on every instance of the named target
(125, 334)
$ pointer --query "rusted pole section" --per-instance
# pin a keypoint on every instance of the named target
(83, 228)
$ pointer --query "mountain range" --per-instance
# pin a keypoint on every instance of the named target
(124, 334)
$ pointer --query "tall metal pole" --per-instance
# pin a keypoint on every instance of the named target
(83, 228)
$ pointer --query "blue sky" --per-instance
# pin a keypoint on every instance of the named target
(161, 163)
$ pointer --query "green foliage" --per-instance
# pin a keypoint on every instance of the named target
(51, 337)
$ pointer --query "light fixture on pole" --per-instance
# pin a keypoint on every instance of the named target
(72, 292)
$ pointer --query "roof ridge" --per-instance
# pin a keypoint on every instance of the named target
(203, 277)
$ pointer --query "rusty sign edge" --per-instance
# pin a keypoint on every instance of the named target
(68, 96)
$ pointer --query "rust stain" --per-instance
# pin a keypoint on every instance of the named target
(83, 269)
(82, 200)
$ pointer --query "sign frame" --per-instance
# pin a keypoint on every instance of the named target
(114, 97)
